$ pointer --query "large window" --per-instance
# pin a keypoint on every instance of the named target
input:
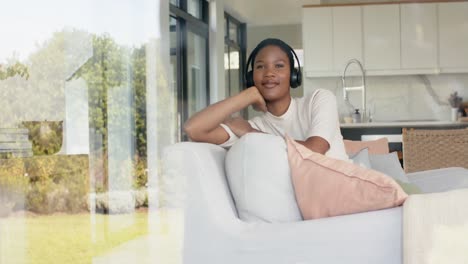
(86, 106)
(189, 57)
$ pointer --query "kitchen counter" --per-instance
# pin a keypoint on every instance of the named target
(415, 124)
(393, 130)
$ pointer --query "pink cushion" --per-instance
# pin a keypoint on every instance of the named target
(329, 187)
(379, 146)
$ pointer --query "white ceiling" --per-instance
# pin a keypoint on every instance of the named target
(267, 12)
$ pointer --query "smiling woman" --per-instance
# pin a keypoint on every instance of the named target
(271, 76)
(312, 120)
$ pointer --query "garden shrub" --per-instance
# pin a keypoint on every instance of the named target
(46, 136)
(61, 183)
(141, 173)
(58, 183)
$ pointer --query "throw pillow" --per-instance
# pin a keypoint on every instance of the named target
(409, 188)
(329, 187)
(388, 164)
(361, 158)
(379, 146)
(258, 174)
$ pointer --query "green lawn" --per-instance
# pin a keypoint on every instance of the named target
(71, 239)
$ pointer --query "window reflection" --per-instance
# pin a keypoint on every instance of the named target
(234, 32)
(174, 63)
(226, 67)
(233, 57)
(76, 98)
(194, 7)
(196, 69)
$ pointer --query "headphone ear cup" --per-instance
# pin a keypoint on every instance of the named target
(296, 78)
(249, 79)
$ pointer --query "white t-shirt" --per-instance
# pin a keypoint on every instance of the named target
(315, 114)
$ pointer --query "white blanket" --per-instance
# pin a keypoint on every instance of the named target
(435, 228)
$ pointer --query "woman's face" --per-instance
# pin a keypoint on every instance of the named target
(271, 73)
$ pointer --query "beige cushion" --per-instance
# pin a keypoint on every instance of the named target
(329, 187)
(379, 146)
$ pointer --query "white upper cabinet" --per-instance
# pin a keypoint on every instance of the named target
(419, 36)
(331, 36)
(381, 37)
(347, 35)
(389, 39)
(453, 36)
(318, 40)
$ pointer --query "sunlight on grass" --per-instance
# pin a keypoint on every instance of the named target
(75, 239)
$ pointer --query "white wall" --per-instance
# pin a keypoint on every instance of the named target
(400, 97)
(291, 34)
(76, 125)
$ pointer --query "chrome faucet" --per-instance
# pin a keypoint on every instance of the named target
(361, 88)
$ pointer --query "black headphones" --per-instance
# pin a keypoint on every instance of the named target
(296, 75)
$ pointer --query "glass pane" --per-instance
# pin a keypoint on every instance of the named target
(196, 70)
(233, 32)
(234, 85)
(226, 70)
(194, 7)
(74, 178)
(175, 2)
(173, 40)
(174, 65)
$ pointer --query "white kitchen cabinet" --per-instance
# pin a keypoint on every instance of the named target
(419, 36)
(389, 39)
(347, 36)
(453, 36)
(331, 37)
(381, 25)
(317, 33)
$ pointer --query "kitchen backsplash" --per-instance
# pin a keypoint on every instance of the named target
(390, 98)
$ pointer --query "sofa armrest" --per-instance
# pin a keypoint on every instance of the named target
(200, 168)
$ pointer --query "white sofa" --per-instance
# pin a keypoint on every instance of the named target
(214, 234)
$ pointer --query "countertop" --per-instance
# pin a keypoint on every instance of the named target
(406, 124)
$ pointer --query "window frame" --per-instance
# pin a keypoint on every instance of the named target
(186, 22)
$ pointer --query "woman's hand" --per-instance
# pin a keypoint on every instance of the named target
(239, 126)
(258, 103)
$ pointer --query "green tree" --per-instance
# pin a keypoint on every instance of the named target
(105, 66)
(16, 69)
(113, 67)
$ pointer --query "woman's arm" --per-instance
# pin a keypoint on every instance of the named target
(204, 126)
(316, 144)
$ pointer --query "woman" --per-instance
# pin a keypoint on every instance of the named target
(311, 120)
